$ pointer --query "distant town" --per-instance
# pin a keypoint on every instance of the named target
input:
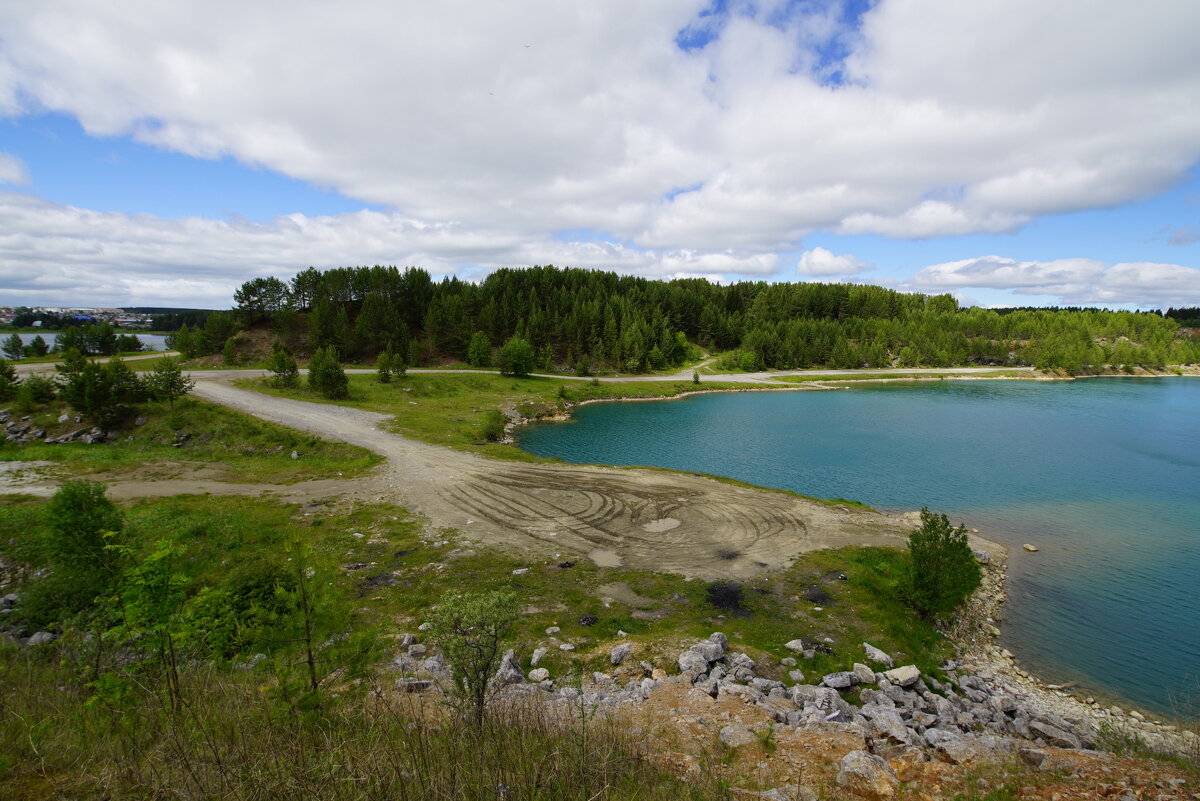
(54, 317)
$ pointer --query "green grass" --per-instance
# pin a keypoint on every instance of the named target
(388, 572)
(239, 736)
(240, 447)
(449, 409)
(375, 572)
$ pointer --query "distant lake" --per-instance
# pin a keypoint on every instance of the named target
(151, 341)
(1102, 474)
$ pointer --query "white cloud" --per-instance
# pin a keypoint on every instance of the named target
(929, 219)
(820, 261)
(53, 254)
(1071, 281)
(535, 116)
(12, 170)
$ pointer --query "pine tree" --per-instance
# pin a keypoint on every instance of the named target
(325, 374)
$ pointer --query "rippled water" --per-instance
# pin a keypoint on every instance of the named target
(1103, 475)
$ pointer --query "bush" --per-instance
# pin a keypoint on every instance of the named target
(81, 525)
(479, 350)
(941, 570)
(8, 380)
(471, 628)
(516, 357)
(41, 389)
(493, 426)
(325, 374)
(281, 363)
(101, 393)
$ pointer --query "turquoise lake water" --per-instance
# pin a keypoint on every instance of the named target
(1102, 474)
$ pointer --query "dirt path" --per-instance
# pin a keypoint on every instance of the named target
(639, 518)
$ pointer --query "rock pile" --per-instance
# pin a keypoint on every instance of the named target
(22, 430)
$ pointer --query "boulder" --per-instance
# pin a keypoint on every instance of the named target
(719, 638)
(905, 676)
(954, 748)
(778, 708)
(692, 663)
(822, 701)
(619, 654)
(41, 638)
(864, 674)
(410, 685)
(436, 665)
(840, 681)
(877, 656)
(1053, 735)
(796, 646)
(747, 694)
(736, 736)
(765, 685)
(711, 651)
(887, 723)
(538, 674)
(538, 655)
(510, 670)
(867, 775)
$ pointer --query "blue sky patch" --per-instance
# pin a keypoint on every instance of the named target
(69, 167)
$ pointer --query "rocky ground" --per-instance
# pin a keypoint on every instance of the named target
(878, 731)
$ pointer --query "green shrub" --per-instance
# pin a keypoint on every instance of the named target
(941, 570)
(281, 363)
(493, 426)
(325, 374)
(471, 628)
(516, 357)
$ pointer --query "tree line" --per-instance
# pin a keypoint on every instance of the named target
(587, 319)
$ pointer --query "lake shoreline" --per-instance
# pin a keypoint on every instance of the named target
(984, 652)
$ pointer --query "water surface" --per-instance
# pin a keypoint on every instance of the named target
(151, 341)
(1103, 475)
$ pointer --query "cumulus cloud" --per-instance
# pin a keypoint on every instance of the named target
(12, 170)
(54, 254)
(1072, 281)
(534, 116)
(820, 261)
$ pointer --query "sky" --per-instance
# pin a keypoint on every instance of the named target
(1010, 152)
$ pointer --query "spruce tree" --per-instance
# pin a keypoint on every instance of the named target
(325, 374)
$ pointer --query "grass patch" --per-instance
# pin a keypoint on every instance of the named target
(375, 573)
(242, 736)
(388, 572)
(450, 409)
(240, 447)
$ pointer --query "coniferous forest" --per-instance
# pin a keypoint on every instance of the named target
(586, 320)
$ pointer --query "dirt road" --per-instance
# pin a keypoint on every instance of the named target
(639, 518)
